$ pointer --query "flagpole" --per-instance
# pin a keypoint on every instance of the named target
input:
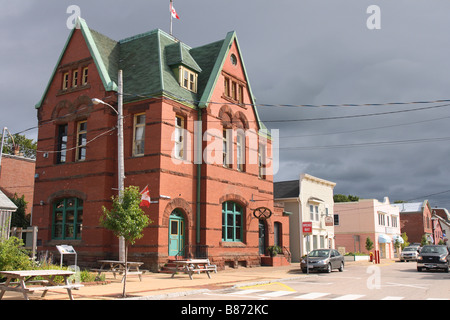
(171, 17)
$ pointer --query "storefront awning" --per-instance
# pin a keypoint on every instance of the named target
(382, 238)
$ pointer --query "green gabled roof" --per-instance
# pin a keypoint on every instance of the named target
(211, 82)
(147, 61)
(178, 54)
(102, 50)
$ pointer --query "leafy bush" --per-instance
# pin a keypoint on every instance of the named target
(274, 250)
(13, 256)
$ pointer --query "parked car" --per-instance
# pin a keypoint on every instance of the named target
(323, 260)
(434, 257)
(409, 253)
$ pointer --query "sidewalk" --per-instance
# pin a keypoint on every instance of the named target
(158, 286)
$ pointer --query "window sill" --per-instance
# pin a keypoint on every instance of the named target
(230, 244)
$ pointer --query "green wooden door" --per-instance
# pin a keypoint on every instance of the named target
(176, 234)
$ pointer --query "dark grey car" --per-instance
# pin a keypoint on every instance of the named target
(434, 257)
(323, 260)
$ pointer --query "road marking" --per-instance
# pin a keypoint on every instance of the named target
(276, 294)
(312, 295)
(244, 292)
(392, 298)
(272, 286)
(349, 297)
(393, 284)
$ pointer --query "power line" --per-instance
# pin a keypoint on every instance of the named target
(366, 144)
(365, 129)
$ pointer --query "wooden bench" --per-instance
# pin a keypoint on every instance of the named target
(113, 266)
(26, 277)
(194, 266)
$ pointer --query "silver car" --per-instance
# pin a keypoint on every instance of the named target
(323, 260)
(409, 253)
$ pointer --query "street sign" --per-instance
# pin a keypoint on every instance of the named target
(307, 227)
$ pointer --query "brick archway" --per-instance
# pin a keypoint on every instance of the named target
(181, 204)
(66, 194)
(235, 198)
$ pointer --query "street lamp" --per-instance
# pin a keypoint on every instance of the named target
(5, 129)
(120, 148)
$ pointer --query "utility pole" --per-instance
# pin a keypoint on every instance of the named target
(120, 148)
(120, 153)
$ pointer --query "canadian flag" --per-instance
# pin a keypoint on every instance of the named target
(174, 13)
(145, 197)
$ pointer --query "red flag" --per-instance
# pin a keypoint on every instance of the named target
(173, 12)
(145, 197)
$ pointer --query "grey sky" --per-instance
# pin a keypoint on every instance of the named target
(296, 52)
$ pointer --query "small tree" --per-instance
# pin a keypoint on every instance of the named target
(405, 240)
(126, 219)
(369, 244)
(424, 241)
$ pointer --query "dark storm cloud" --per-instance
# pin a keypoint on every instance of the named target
(295, 52)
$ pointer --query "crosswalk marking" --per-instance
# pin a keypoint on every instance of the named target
(349, 297)
(308, 296)
(276, 294)
(248, 291)
(392, 298)
(312, 295)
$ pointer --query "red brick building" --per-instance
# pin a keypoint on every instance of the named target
(175, 99)
(17, 177)
(415, 220)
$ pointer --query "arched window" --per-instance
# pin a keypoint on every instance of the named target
(67, 219)
(232, 222)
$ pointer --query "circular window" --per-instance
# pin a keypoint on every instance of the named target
(233, 60)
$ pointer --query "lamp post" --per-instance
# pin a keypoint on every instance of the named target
(120, 148)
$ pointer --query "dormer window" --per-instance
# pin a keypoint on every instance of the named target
(188, 79)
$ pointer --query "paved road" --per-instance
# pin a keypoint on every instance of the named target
(396, 281)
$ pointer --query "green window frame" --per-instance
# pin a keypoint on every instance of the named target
(67, 219)
(232, 222)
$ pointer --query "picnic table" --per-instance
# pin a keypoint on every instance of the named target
(25, 277)
(192, 266)
(119, 267)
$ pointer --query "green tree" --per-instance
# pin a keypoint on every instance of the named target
(126, 219)
(13, 256)
(369, 244)
(405, 240)
(26, 146)
(424, 241)
(19, 218)
(344, 198)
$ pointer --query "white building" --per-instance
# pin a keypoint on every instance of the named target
(7, 207)
(309, 200)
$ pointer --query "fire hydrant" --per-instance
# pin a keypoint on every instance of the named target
(371, 257)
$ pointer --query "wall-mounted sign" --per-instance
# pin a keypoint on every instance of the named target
(329, 221)
(262, 213)
(307, 227)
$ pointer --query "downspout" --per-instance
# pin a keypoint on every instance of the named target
(199, 169)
